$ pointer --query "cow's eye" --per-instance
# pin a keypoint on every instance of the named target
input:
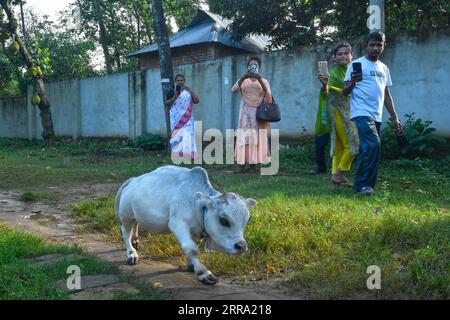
(224, 222)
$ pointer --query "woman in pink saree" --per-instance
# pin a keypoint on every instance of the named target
(181, 101)
(252, 145)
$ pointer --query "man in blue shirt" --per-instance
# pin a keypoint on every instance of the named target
(369, 92)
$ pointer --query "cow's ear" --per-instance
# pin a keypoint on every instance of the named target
(250, 202)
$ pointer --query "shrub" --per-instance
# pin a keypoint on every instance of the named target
(148, 141)
(422, 143)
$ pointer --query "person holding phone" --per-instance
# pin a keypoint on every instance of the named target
(369, 89)
(322, 125)
(180, 101)
(344, 135)
(252, 145)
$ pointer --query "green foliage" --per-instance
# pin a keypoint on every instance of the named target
(20, 279)
(303, 22)
(183, 11)
(11, 80)
(60, 51)
(422, 143)
(148, 141)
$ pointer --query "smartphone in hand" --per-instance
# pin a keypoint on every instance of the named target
(323, 68)
(178, 88)
(357, 70)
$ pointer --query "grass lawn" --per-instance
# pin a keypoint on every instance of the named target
(21, 280)
(311, 235)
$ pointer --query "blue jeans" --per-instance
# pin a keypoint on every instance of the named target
(369, 152)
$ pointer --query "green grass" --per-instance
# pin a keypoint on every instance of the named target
(20, 280)
(314, 237)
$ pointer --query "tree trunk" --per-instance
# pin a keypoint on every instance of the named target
(22, 18)
(48, 133)
(165, 57)
(103, 36)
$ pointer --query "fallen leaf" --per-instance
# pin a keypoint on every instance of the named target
(270, 269)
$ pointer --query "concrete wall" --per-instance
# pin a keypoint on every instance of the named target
(130, 104)
(420, 70)
(13, 118)
(64, 97)
(104, 106)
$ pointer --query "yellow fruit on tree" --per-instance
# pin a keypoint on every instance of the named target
(33, 71)
(13, 48)
(38, 72)
(15, 23)
(35, 100)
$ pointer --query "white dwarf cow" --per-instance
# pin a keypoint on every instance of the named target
(182, 201)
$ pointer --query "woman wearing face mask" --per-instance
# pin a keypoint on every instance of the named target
(344, 134)
(252, 142)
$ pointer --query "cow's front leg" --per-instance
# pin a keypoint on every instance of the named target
(190, 248)
(132, 255)
(190, 265)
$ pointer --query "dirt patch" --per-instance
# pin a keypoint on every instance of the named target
(54, 222)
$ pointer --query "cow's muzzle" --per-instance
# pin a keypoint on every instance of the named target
(241, 246)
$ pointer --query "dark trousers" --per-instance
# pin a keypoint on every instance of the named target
(321, 143)
(369, 152)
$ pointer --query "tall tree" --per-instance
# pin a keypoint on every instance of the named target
(17, 45)
(70, 53)
(93, 15)
(165, 57)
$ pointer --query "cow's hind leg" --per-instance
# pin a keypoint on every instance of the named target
(135, 236)
(127, 230)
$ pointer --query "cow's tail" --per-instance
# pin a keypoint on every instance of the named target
(118, 196)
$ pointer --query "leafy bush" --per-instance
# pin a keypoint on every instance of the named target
(422, 143)
(148, 141)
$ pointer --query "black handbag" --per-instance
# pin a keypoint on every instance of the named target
(268, 111)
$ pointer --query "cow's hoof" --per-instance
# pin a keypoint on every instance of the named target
(190, 267)
(207, 278)
(132, 261)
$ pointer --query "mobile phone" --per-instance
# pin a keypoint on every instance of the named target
(178, 88)
(357, 69)
(323, 68)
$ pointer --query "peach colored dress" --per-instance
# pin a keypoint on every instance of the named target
(252, 136)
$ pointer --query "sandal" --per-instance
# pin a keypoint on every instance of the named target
(346, 183)
(335, 180)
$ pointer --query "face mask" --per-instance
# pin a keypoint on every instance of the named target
(253, 68)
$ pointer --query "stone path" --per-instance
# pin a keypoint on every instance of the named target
(54, 223)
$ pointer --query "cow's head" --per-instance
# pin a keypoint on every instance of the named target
(225, 218)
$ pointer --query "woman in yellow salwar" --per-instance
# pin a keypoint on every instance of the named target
(344, 135)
